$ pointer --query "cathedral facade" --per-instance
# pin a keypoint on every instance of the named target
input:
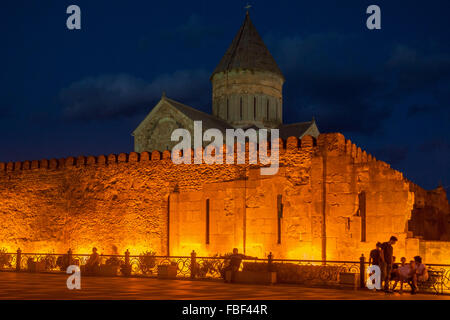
(247, 92)
(330, 199)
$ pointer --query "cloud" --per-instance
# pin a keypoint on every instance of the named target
(436, 145)
(426, 77)
(4, 112)
(194, 32)
(428, 109)
(330, 77)
(338, 89)
(123, 95)
(436, 152)
(418, 71)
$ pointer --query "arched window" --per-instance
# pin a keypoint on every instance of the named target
(240, 109)
(207, 221)
(362, 214)
(279, 216)
(277, 110)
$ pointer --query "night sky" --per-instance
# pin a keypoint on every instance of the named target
(82, 92)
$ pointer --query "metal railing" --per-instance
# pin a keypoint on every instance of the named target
(305, 272)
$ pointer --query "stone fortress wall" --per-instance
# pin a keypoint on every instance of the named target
(329, 200)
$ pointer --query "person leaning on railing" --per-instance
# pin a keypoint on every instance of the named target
(235, 262)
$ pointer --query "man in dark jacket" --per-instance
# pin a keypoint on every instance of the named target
(235, 263)
(375, 255)
(386, 264)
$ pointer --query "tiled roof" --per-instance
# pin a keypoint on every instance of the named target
(248, 52)
(208, 121)
(295, 129)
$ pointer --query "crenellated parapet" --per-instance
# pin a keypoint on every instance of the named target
(335, 144)
(288, 146)
(329, 144)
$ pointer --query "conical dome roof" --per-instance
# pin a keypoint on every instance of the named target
(248, 52)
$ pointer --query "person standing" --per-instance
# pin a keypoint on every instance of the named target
(386, 265)
(375, 255)
(375, 258)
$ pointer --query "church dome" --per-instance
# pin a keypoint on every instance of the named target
(248, 52)
(247, 83)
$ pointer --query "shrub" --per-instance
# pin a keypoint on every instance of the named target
(63, 262)
(147, 261)
(5, 258)
(30, 263)
(113, 261)
(210, 266)
(50, 262)
(255, 267)
(294, 273)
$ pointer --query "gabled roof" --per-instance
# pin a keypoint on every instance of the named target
(208, 121)
(298, 129)
(248, 52)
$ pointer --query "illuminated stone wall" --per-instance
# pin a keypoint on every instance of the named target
(144, 202)
(244, 214)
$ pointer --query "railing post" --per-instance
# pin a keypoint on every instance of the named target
(269, 262)
(19, 259)
(69, 257)
(127, 267)
(193, 264)
(362, 271)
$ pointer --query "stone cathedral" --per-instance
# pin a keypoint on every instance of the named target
(247, 93)
(330, 200)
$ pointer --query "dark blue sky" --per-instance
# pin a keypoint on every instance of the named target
(67, 93)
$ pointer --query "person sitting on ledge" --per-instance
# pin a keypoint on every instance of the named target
(93, 263)
(403, 273)
(235, 263)
(406, 272)
(421, 274)
(395, 276)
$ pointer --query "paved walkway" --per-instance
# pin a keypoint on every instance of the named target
(53, 286)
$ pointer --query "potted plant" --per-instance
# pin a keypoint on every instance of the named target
(147, 261)
(168, 271)
(49, 262)
(110, 267)
(35, 266)
(349, 279)
(5, 259)
(62, 262)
